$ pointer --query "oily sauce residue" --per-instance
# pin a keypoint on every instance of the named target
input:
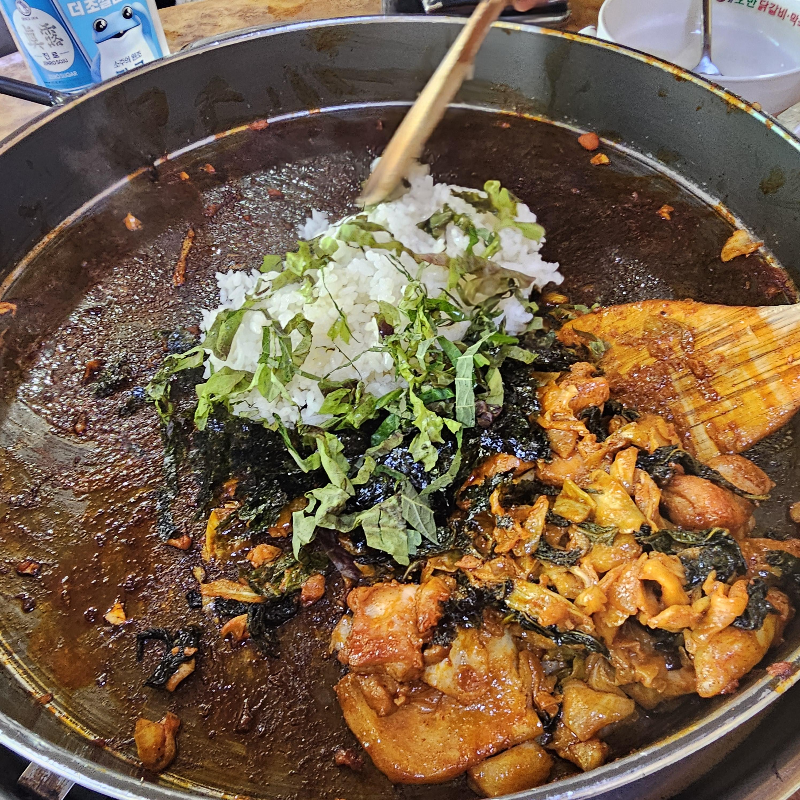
(80, 473)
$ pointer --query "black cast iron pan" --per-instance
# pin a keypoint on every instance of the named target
(183, 144)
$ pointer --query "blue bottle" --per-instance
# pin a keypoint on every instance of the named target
(51, 50)
(116, 35)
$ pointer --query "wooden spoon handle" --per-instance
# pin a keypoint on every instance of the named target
(429, 108)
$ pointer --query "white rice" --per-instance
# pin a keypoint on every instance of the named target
(356, 279)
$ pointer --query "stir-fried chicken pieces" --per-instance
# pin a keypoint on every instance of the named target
(155, 741)
(522, 767)
(462, 711)
(388, 627)
(609, 575)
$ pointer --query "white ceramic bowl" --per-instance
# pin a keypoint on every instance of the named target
(755, 43)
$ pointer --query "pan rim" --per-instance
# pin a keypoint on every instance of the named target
(614, 775)
(640, 764)
(265, 32)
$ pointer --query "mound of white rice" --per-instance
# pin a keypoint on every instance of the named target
(355, 280)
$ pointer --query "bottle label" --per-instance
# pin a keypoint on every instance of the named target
(43, 37)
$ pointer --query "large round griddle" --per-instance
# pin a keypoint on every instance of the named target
(83, 502)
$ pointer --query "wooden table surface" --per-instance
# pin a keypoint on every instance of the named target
(191, 21)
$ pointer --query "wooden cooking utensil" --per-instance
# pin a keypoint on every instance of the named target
(429, 108)
(726, 376)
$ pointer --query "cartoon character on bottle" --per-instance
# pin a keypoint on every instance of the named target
(123, 40)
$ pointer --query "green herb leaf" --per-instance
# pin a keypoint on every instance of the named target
(390, 313)
(396, 475)
(304, 527)
(308, 464)
(505, 205)
(323, 506)
(300, 351)
(326, 246)
(301, 260)
(220, 336)
(333, 462)
(361, 233)
(436, 395)
(340, 330)
(284, 279)
(449, 349)
(530, 230)
(465, 385)
(385, 429)
(271, 263)
(386, 445)
(385, 529)
(494, 385)
(417, 513)
(430, 427)
(446, 478)
(297, 264)
(479, 201)
(221, 386)
(422, 449)
(502, 201)
(438, 222)
(388, 398)
(363, 410)
(520, 354)
(365, 471)
(456, 269)
(492, 246)
(337, 402)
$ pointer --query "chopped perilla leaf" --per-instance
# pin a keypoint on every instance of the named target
(159, 387)
(220, 336)
(559, 638)
(465, 610)
(455, 398)
(757, 607)
(271, 263)
(784, 572)
(561, 558)
(416, 512)
(180, 648)
(598, 534)
(699, 552)
(263, 619)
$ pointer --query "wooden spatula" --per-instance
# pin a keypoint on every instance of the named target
(429, 108)
(726, 376)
